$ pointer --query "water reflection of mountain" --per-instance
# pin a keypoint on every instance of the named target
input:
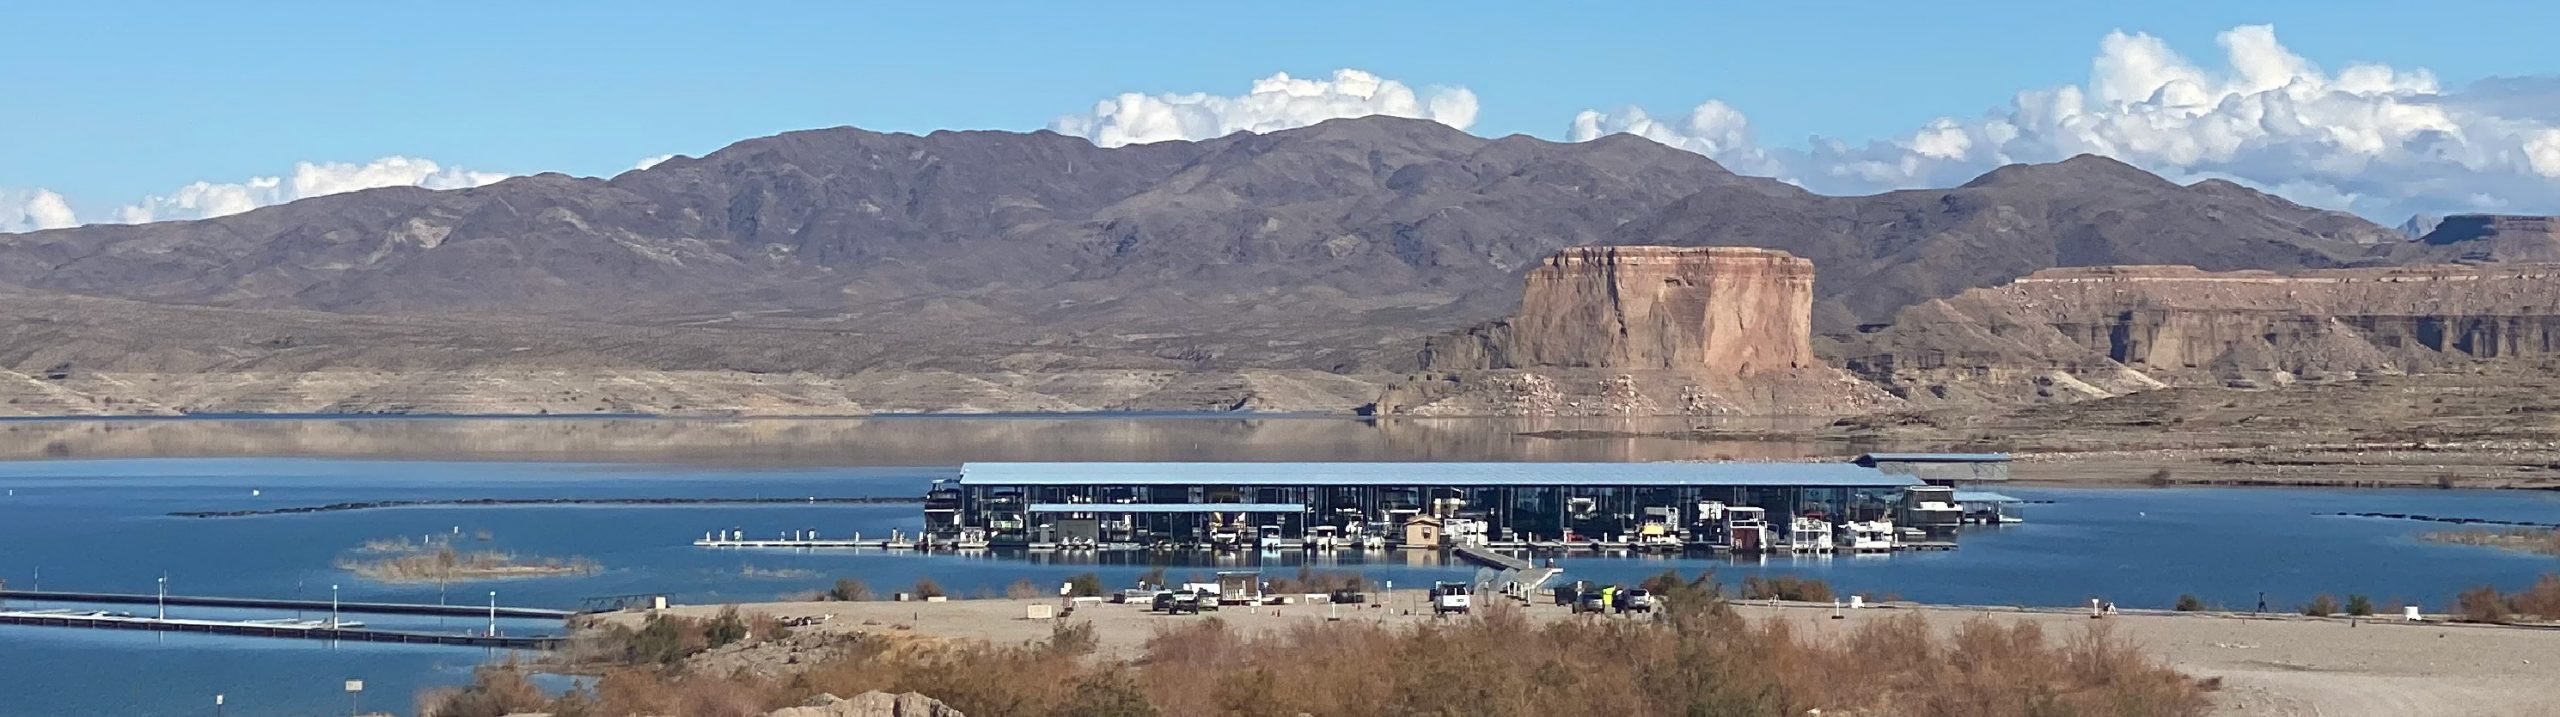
(912, 441)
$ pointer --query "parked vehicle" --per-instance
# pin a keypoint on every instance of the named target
(1348, 597)
(1634, 600)
(1189, 602)
(1162, 602)
(1137, 596)
(1452, 598)
(1591, 601)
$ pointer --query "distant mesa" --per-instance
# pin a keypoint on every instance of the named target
(2497, 237)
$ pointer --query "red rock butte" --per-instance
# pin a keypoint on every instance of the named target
(1729, 311)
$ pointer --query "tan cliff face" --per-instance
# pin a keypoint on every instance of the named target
(2090, 332)
(1733, 310)
(1642, 330)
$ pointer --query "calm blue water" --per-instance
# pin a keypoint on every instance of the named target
(102, 526)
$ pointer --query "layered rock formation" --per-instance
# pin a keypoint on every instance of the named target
(1641, 330)
(1733, 310)
(2064, 334)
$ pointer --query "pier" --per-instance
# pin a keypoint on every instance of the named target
(304, 629)
(374, 608)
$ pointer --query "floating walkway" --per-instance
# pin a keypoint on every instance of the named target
(304, 629)
(372, 608)
(802, 539)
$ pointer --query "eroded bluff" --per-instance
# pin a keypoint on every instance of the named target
(2068, 334)
(1642, 330)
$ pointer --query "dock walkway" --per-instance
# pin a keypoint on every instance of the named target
(310, 630)
(372, 608)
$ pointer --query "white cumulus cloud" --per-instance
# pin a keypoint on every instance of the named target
(204, 200)
(34, 209)
(1274, 103)
(2382, 141)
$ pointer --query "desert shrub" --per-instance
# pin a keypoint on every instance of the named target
(2321, 606)
(1022, 589)
(725, 628)
(2481, 604)
(926, 587)
(1085, 585)
(1496, 663)
(1310, 580)
(2190, 603)
(1107, 693)
(2542, 599)
(2360, 606)
(2160, 478)
(1786, 587)
(1072, 637)
(495, 691)
(849, 590)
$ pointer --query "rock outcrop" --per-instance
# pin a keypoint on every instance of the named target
(1641, 330)
(870, 704)
(2065, 334)
(1725, 310)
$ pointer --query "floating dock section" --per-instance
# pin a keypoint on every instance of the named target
(304, 629)
(372, 608)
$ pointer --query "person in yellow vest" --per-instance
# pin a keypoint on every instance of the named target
(1608, 599)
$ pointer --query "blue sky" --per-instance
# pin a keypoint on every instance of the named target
(111, 101)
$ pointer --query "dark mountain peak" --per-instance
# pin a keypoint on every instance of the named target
(2079, 171)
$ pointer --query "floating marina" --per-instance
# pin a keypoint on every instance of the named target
(1876, 503)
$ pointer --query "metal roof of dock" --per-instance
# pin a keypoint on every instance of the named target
(1661, 474)
(1168, 508)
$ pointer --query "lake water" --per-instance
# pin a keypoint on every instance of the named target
(103, 525)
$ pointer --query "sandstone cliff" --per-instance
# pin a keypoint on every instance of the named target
(1641, 330)
(2066, 334)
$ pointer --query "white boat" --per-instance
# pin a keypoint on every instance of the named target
(1870, 536)
(1746, 530)
(1810, 535)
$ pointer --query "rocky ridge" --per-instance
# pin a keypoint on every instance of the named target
(2072, 334)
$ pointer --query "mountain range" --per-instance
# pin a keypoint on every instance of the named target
(1331, 249)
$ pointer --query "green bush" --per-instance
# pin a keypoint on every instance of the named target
(2190, 603)
(2360, 606)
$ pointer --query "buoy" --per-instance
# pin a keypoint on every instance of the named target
(253, 492)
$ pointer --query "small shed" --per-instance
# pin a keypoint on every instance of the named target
(1422, 531)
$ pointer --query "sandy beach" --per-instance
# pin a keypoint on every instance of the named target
(2272, 666)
